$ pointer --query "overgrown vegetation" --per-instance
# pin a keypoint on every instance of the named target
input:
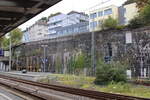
(140, 3)
(129, 2)
(88, 83)
(78, 63)
(58, 67)
(136, 22)
(107, 73)
(110, 23)
(142, 19)
(15, 36)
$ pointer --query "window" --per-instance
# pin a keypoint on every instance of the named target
(94, 15)
(100, 13)
(99, 23)
(108, 12)
(93, 24)
(124, 10)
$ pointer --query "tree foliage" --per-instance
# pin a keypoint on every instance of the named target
(145, 14)
(139, 3)
(52, 15)
(107, 73)
(129, 2)
(16, 36)
(5, 42)
(78, 63)
(110, 23)
(143, 19)
(142, 3)
(136, 22)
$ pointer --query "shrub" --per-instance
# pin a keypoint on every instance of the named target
(107, 73)
(136, 22)
(145, 14)
(142, 19)
(120, 27)
(110, 23)
(77, 64)
(119, 87)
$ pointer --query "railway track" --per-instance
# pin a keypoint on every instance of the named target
(41, 90)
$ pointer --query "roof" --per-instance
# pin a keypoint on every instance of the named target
(72, 12)
(15, 12)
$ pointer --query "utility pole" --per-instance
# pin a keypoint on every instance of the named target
(93, 52)
(93, 49)
(9, 69)
(44, 67)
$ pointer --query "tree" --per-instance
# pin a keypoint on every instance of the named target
(140, 3)
(16, 36)
(1, 40)
(142, 19)
(52, 15)
(107, 73)
(129, 2)
(5, 43)
(44, 18)
(110, 23)
(78, 63)
(145, 14)
(136, 22)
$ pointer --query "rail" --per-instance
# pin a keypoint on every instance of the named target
(74, 91)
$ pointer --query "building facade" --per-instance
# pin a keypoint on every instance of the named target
(67, 24)
(127, 12)
(123, 14)
(26, 37)
(97, 16)
(73, 29)
(37, 31)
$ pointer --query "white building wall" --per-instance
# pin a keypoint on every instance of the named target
(130, 12)
(64, 20)
(38, 32)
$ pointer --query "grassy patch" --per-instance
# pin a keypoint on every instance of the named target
(88, 83)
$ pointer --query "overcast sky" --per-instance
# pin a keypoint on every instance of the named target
(66, 6)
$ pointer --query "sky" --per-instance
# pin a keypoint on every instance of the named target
(66, 6)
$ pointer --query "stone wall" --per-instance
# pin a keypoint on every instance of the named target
(107, 43)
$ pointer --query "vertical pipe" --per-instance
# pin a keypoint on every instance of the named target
(44, 58)
(93, 53)
(9, 69)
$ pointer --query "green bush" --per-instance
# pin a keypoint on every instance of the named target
(77, 64)
(136, 22)
(107, 73)
(120, 27)
(145, 14)
(143, 19)
(110, 23)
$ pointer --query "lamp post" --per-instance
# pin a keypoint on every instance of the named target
(44, 47)
(17, 53)
(93, 52)
(9, 68)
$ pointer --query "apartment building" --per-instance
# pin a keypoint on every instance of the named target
(37, 31)
(64, 24)
(97, 16)
(26, 37)
(127, 12)
(123, 14)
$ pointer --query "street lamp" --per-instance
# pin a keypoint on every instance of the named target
(93, 51)
(17, 53)
(9, 69)
(44, 47)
